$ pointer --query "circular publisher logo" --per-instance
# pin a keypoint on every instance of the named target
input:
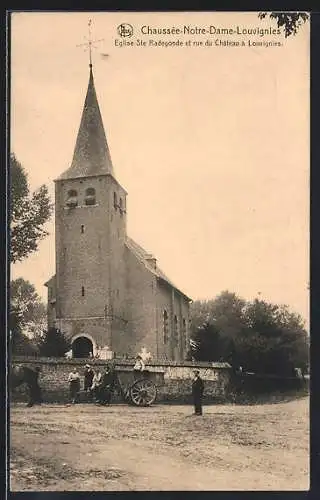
(125, 30)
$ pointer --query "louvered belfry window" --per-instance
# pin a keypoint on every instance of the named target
(72, 198)
(90, 198)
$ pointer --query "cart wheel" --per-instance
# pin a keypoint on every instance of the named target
(143, 393)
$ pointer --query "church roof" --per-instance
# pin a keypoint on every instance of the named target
(144, 257)
(50, 281)
(91, 155)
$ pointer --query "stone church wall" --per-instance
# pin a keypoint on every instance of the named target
(175, 305)
(141, 306)
(164, 303)
(94, 328)
(173, 379)
(181, 311)
(81, 258)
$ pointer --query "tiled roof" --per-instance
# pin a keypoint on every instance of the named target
(145, 257)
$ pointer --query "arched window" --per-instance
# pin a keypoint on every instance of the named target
(176, 331)
(184, 327)
(184, 331)
(115, 200)
(165, 327)
(72, 198)
(90, 198)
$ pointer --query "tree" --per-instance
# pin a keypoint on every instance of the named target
(257, 335)
(289, 21)
(27, 317)
(221, 319)
(21, 345)
(228, 313)
(226, 310)
(27, 311)
(28, 213)
(54, 343)
(207, 343)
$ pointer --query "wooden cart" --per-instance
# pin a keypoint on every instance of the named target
(139, 389)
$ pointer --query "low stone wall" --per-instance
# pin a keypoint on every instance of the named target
(173, 379)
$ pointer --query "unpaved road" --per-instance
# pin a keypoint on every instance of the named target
(122, 448)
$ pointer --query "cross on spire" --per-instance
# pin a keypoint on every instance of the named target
(89, 44)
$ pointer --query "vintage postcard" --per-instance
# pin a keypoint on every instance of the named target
(159, 255)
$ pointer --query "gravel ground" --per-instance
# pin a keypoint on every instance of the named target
(122, 448)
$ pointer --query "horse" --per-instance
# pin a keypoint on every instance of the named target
(20, 375)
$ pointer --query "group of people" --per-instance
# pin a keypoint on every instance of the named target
(98, 384)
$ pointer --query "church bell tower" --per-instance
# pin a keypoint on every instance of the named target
(90, 222)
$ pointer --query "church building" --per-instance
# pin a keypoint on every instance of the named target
(108, 293)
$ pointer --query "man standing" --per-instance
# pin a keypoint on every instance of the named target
(197, 392)
(32, 377)
(96, 385)
(106, 386)
(88, 378)
(74, 385)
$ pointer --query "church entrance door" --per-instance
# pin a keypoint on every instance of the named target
(82, 348)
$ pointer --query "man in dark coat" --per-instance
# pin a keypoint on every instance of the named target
(35, 396)
(107, 383)
(88, 377)
(197, 392)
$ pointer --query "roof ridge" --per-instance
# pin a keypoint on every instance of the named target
(156, 271)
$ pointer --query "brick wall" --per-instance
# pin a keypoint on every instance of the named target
(173, 379)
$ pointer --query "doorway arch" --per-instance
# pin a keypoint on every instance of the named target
(82, 347)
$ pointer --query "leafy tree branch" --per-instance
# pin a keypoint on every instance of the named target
(28, 213)
(290, 22)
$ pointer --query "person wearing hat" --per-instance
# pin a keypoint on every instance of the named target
(197, 392)
(88, 378)
(107, 385)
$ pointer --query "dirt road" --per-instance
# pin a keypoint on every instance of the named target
(90, 448)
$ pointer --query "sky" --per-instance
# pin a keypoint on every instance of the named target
(211, 142)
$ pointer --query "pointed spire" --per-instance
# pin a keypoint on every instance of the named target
(91, 155)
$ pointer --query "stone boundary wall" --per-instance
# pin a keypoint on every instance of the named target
(173, 379)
